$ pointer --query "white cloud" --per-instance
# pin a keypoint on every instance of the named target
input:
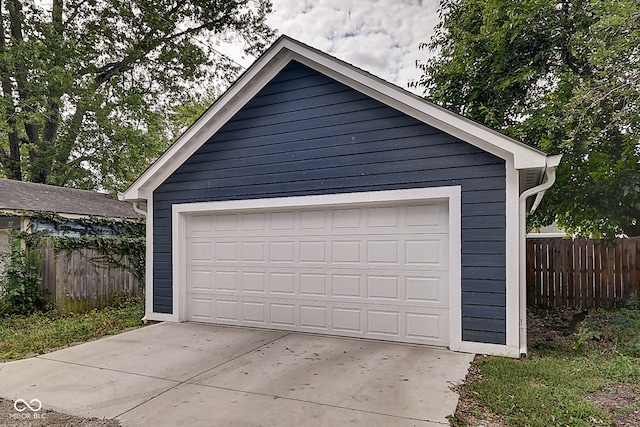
(379, 36)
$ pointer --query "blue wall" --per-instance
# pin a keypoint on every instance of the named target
(305, 133)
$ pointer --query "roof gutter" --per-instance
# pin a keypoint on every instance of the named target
(549, 179)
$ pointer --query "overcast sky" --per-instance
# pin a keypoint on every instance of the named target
(379, 36)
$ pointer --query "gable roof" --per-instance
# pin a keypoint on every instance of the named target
(28, 196)
(530, 161)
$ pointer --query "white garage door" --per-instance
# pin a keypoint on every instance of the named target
(371, 271)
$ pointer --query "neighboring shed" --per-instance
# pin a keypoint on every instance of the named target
(313, 196)
(22, 201)
(57, 211)
(22, 205)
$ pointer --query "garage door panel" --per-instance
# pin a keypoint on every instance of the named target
(226, 310)
(362, 271)
(313, 220)
(348, 320)
(200, 280)
(201, 308)
(427, 217)
(346, 252)
(427, 289)
(427, 327)
(282, 283)
(199, 225)
(226, 281)
(253, 282)
(314, 317)
(383, 288)
(226, 251)
(412, 287)
(253, 251)
(347, 286)
(313, 252)
(282, 314)
(383, 252)
(347, 218)
(431, 253)
(254, 312)
(199, 251)
(313, 284)
(407, 324)
(282, 252)
(383, 323)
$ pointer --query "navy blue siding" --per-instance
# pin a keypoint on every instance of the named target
(305, 133)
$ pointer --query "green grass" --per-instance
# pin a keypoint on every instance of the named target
(38, 333)
(551, 386)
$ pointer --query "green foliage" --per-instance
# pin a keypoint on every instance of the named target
(86, 88)
(20, 280)
(613, 331)
(186, 114)
(561, 76)
(539, 392)
(551, 387)
(23, 336)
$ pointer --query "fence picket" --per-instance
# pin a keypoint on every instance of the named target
(74, 281)
(582, 272)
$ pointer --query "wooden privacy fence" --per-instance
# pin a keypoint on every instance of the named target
(77, 281)
(583, 273)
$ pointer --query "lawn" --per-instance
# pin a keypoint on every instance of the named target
(38, 333)
(587, 378)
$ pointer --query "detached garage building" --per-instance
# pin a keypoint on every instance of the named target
(315, 197)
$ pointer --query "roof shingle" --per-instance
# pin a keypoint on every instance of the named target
(29, 196)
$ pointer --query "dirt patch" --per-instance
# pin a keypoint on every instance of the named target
(10, 417)
(623, 402)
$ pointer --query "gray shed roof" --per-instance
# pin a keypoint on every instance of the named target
(28, 196)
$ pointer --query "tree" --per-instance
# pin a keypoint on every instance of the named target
(87, 85)
(562, 75)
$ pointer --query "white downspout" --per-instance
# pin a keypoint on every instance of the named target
(136, 207)
(538, 191)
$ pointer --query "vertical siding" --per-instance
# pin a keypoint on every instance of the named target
(305, 133)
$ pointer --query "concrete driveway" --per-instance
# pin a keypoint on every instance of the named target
(202, 375)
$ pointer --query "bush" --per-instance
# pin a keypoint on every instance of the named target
(20, 280)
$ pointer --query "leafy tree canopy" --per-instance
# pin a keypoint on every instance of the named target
(87, 85)
(562, 75)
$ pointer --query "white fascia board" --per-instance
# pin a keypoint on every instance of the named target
(268, 66)
(241, 92)
(467, 130)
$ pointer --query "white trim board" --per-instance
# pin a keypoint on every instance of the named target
(451, 194)
(275, 59)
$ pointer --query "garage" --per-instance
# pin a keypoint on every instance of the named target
(373, 271)
(313, 196)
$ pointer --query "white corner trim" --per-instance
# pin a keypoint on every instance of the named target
(455, 268)
(512, 255)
